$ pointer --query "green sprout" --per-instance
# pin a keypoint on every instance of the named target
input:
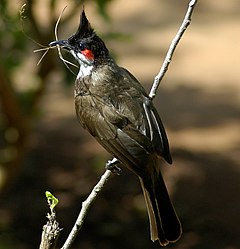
(51, 199)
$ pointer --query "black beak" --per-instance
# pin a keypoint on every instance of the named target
(61, 43)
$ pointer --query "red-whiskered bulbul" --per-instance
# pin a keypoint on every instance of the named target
(113, 106)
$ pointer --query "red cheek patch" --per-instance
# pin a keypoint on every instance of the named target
(88, 53)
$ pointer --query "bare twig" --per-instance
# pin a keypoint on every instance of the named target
(173, 45)
(85, 208)
(51, 230)
(58, 47)
(50, 233)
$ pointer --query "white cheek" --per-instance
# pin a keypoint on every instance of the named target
(85, 65)
(81, 57)
(73, 54)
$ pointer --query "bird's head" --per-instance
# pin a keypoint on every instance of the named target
(84, 45)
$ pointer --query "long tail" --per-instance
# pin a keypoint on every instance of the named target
(164, 223)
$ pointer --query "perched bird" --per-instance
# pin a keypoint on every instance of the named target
(115, 109)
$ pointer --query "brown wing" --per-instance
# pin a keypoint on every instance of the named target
(125, 122)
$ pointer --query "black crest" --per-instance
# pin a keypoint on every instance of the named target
(84, 29)
(85, 37)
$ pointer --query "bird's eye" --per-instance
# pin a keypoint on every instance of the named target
(82, 46)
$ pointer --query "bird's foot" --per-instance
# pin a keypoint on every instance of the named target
(112, 165)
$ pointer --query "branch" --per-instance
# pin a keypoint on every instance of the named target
(85, 208)
(173, 45)
(51, 230)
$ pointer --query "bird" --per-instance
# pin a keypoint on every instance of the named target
(115, 109)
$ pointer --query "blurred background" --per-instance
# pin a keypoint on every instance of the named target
(42, 146)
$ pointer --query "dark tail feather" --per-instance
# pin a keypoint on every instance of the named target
(164, 223)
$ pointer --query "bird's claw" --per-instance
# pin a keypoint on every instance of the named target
(112, 166)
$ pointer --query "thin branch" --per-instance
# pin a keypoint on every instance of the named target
(85, 208)
(173, 45)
